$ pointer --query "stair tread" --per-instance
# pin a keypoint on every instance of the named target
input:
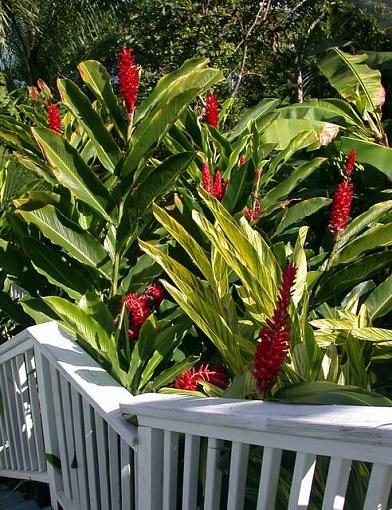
(9, 498)
(25, 505)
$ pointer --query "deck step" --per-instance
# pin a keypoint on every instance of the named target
(26, 505)
(8, 499)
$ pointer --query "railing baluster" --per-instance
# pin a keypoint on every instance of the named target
(213, 480)
(301, 484)
(269, 477)
(191, 472)
(127, 477)
(27, 412)
(37, 439)
(80, 447)
(335, 488)
(149, 469)
(170, 470)
(379, 488)
(5, 453)
(114, 469)
(10, 414)
(58, 419)
(237, 478)
(102, 447)
(70, 446)
(91, 455)
(17, 394)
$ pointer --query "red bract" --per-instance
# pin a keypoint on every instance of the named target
(156, 292)
(350, 163)
(54, 119)
(212, 113)
(189, 379)
(217, 187)
(273, 342)
(139, 311)
(252, 214)
(242, 160)
(129, 78)
(341, 207)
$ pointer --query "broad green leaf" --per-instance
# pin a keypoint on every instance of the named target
(282, 131)
(239, 188)
(93, 305)
(338, 324)
(72, 172)
(179, 233)
(299, 211)
(379, 302)
(14, 310)
(368, 153)
(168, 375)
(284, 188)
(107, 149)
(299, 259)
(143, 348)
(372, 334)
(323, 392)
(334, 283)
(58, 272)
(353, 79)
(265, 106)
(377, 237)
(39, 310)
(359, 223)
(316, 109)
(98, 80)
(84, 325)
(79, 244)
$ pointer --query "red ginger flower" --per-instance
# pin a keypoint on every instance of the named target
(242, 160)
(129, 78)
(212, 113)
(341, 207)
(217, 187)
(252, 214)
(350, 163)
(54, 119)
(156, 292)
(273, 342)
(189, 379)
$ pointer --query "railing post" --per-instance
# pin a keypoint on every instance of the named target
(47, 415)
(149, 469)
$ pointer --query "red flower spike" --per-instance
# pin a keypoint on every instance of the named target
(341, 207)
(219, 186)
(54, 119)
(156, 292)
(189, 379)
(129, 78)
(242, 160)
(212, 112)
(273, 342)
(206, 177)
(350, 162)
(139, 309)
(252, 214)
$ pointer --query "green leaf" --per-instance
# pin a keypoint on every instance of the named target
(239, 188)
(353, 79)
(54, 461)
(299, 259)
(72, 172)
(107, 149)
(13, 310)
(323, 392)
(39, 310)
(283, 189)
(265, 106)
(299, 211)
(98, 80)
(376, 237)
(97, 309)
(372, 334)
(316, 109)
(282, 131)
(79, 244)
(58, 272)
(168, 375)
(379, 302)
(368, 153)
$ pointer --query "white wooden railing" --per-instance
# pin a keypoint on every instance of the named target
(185, 453)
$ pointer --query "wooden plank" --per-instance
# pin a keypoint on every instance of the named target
(70, 446)
(213, 481)
(17, 392)
(58, 421)
(170, 470)
(301, 484)
(27, 412)
(35, 411)
(114, 469)
(91, 454)
(191, 472)
(269, 478)
(103, 465)
(336, 486)
(149, 469)
(127, 477)
(379, 487)
(11, 419)
(237, 478)
(80, 447)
